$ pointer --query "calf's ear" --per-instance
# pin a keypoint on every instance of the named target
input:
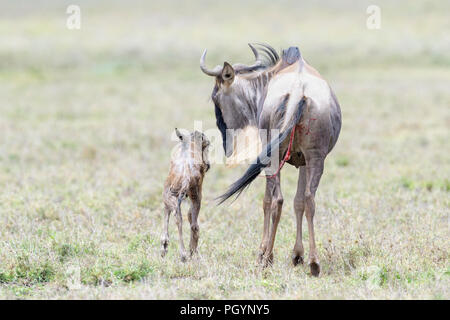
(227, 73)
(179, 135)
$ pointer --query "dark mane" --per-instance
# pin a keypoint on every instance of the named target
(220, 122)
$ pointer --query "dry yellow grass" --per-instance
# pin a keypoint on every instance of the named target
(86, 118)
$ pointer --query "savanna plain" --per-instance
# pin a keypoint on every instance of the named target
(87, 117)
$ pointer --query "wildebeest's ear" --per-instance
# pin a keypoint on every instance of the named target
(227, 73)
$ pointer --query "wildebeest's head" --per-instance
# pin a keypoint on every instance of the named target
(234, 95)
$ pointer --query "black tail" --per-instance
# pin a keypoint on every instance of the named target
(263, 159)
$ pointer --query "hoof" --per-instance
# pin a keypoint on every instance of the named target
(297, 260)
(164, 245)
(267, 261)
(315, 268)
(262, 250)
(194, 253)
(260, 258)
(183, 258)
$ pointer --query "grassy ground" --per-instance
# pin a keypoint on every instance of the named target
(86, 118)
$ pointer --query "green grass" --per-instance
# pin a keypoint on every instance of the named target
(86, 118)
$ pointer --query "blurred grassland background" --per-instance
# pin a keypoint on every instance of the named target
(86, 117)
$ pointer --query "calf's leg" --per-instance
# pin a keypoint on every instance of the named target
(165, 234)
(180, 232)
(193, 215)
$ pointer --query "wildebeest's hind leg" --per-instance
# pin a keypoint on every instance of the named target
(299, 208)
(165, 235)
(314, 170)
(274, 200)
(180, 230)
(196, 199)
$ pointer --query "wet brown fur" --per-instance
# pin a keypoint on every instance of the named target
(187, 169)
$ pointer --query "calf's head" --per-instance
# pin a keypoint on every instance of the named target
(195, 145)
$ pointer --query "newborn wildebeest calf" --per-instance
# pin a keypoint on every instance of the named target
(187, 169)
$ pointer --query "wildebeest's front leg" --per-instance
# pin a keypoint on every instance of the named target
(196, 199)
(274, 201)
(314, 170)
(299, 208)
(266, 208)
(165, 234)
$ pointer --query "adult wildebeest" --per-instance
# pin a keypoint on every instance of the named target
(286, 94)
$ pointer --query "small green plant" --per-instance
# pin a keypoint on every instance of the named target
(429, 185)
(342, 161)
(447, 185)
(407, 183)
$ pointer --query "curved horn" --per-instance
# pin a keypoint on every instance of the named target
(258, 62)
(214, 72)
(255, 52)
